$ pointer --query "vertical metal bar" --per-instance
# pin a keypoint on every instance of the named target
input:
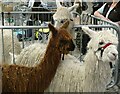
(13, 46)
(33, 35)
(3, 53)
(8, 18)
(23, 36)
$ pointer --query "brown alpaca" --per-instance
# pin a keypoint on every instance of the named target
(18, 78)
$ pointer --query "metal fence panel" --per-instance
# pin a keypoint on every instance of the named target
(86, 19)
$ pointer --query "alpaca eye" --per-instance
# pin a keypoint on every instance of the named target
(101, 43)
(62, 21)
(71, 19)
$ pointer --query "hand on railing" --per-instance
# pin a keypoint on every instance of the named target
(106, 19)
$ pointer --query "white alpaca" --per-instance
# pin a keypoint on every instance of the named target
(95, 73)
(102, 49)
(8, 47)
(65, 13)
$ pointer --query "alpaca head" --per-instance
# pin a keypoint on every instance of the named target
(64, 13)
(61, 38)
(103, 44)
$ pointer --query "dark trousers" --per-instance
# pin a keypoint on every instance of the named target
(85, 40)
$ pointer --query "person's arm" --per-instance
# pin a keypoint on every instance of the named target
(99, 13)
(118, 23)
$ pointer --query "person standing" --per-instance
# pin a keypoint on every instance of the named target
(110, 11)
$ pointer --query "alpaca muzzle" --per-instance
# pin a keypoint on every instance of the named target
(72, 47)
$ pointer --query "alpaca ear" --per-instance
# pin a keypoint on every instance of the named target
(58, 4)
(65, 24)
(75, 6)
(88, 31)
(52, 29)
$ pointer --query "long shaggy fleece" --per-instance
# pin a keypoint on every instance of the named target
(91, 76)
(18, 78)
(69, 75)
(33, 54)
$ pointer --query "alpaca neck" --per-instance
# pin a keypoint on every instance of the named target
(49, 64)
(97, 73)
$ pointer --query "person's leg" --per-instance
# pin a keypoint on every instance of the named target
(85, 40)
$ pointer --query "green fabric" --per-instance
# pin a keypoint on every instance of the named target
(10, 20)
